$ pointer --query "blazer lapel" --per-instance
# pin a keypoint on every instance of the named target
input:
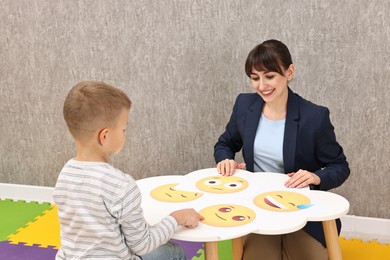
(290, 132)
(252, 123)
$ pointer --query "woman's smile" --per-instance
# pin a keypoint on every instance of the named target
(267, 93)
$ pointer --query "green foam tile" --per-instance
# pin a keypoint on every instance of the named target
(16, 214)
(201, 255)
(224, 251)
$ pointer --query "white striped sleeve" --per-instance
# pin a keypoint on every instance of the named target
(141, 237)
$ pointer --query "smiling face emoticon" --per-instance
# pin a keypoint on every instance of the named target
(282, 201)
(222, 184)
(167, 193)
(227, 215)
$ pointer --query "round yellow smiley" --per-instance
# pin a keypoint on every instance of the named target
(167, 193)
(227, 215)
(282, 201)
(222, 184)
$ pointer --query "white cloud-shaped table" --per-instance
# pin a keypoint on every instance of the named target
(273, 208)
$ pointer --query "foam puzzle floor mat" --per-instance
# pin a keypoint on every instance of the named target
(30, 231)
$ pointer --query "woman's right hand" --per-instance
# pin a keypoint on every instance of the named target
(227, 167)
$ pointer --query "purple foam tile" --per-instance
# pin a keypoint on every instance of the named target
(190, 248)
(20, 252)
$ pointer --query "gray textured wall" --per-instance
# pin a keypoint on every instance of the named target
(181, 63)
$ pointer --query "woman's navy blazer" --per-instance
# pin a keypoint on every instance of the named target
(309, 143)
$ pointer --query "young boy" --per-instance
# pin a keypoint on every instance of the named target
(98, 205)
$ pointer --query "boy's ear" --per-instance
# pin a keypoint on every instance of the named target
(103, 136)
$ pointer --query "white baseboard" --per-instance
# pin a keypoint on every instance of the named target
(366, 228)
(366, 225)
(26, 192)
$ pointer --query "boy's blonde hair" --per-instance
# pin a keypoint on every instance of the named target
(93, 105)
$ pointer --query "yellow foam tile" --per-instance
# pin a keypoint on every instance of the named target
(356, 249)
(44, 231)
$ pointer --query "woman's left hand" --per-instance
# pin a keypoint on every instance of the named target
(302, 179)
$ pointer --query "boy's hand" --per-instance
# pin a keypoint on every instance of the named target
(187, 217)
(227, 167)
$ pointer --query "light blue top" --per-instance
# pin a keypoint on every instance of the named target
(268, 146)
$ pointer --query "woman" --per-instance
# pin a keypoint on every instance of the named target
(279, 131)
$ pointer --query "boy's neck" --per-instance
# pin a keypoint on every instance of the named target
(89, 154)
(83, 158)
